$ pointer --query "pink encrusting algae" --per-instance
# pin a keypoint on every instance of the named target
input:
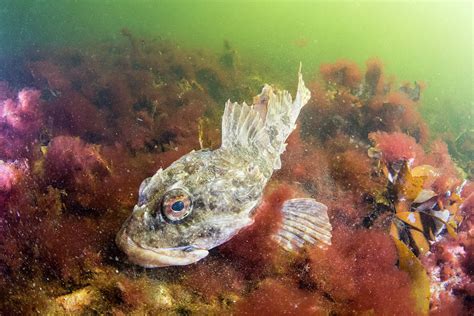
(20, 122)
(82, 130)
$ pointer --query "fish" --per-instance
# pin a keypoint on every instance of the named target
(206, 197)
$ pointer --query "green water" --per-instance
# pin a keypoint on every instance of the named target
(429, 41)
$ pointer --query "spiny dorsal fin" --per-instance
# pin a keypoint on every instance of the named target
(241, 124)
(304, 221)
(266, 125)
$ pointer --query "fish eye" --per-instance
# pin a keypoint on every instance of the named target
(176, 205)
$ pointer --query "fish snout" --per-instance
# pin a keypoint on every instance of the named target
(149, 257)
(162, 257)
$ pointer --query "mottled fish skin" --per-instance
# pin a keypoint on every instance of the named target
(224, 186)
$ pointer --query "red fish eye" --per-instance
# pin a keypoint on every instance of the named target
(176, 205)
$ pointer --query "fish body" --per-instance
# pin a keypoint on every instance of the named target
(206, 197)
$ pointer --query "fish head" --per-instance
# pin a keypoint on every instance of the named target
(179, 217)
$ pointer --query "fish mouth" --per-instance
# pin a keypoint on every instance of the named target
(158, 257)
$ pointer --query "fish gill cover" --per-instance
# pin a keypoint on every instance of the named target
(81, 128)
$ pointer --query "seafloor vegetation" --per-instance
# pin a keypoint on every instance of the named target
(81, 128)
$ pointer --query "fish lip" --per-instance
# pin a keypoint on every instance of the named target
(162, 257)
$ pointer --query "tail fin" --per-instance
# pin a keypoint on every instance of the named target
(266, 124)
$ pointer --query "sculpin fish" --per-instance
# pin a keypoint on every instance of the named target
(206, 197)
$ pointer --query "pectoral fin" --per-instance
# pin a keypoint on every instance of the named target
(304, 221)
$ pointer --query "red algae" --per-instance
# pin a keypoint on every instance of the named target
(397, 146)
(73, 164)
(20, 123)
(353, 169)
(374, 76)
(358, 109)
(11, 174)
(280, 297)
(22, 115)
(76, 144)
(439, 158)
(133, 293)
(359, 273)
(70, 246)
(450, 265)
(344, 73)
(310, 167)
(253, 248)
(214, 278)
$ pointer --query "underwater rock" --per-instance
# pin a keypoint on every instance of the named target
(78, 300)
